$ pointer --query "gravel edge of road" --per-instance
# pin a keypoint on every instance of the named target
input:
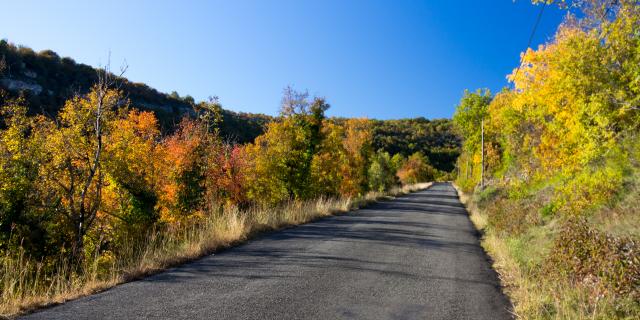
(473, 213)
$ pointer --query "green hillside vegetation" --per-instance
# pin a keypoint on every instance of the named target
(436, 139)
(559, 210)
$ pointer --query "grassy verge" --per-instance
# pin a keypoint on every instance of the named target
(555, 269)
(25, 287)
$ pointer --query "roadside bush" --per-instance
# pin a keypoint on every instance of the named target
(381, 172)
(608, 266)
(548, 210)
(416, 169)
(466, 185)
(589, 189)
(486, 195)
(506, 218)
(509, 217)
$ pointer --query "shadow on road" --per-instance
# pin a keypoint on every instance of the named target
(373, 225)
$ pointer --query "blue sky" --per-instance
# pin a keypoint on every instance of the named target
(379, 59)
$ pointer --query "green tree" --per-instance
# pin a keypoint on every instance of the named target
(469, 114)
(381, 172)
(283, 156)
(469, 119)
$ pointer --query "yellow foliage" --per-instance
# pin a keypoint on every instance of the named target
(589, 189)
(357, 146)
(326, 168)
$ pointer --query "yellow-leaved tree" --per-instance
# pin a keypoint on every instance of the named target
(72, 175)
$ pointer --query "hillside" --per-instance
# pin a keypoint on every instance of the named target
(48, 80)
(434, 138)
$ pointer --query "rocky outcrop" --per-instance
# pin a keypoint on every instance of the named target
(17, 85)
(30, 74)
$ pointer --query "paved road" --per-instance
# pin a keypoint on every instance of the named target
(416, 257)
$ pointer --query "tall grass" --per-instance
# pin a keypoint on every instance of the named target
(25, 286)
(529, 265)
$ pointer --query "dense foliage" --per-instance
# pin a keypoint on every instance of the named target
(101, 174)
(562, 155)
(436, 139)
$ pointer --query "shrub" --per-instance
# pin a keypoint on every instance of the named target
(416, 169)
(381, 172)
(589, 189)
(609, 266)
(487, 194)
(508, 217)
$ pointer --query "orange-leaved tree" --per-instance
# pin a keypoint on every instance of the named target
(133, 173)
(416, 169)
(357, 145)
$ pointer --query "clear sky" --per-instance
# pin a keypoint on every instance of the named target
(379, 59)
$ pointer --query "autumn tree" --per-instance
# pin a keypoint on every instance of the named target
(227, 176)
(73, 161)
(382, 172)
(132, 156)
(574, 100)
(357, 146)
(416, 169)
(282, 157)
(326, 166)
(186, 156)
(22, 224)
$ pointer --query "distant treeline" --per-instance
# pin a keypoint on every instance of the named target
(47, 80)
(434, 138)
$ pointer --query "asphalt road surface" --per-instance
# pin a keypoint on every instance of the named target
(416, 257)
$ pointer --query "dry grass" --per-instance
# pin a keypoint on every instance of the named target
(478, 220)
(25, 287)
(515, 284)
(534, 293)
(622, 219)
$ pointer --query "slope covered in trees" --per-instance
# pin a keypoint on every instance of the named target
(47, 80)
(436, 139)
(562, 168)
